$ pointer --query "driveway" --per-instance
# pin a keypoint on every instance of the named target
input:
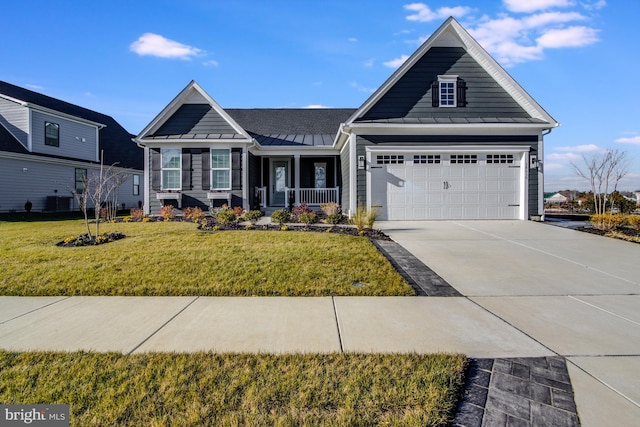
(574, 293)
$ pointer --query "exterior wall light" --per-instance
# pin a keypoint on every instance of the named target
(361, 164)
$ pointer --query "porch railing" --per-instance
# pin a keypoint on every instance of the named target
(311, 196)
(261, 196)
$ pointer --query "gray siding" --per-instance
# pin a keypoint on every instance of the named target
(346, 178)
(452, 140)
(15, 118)
(410, 97)
(42, 179)
(71, 135)
(196, 119)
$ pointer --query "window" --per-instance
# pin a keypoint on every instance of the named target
(390, 159)
(447, 90)
(136, 185)
(221, 169)
(499, 158)
(424, 159)
(170, 168)
(81, 180)
(320, 178)
(51, 134)
(463, 158)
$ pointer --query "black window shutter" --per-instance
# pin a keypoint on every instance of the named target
(206, 169)
(156, 169)
(461, 88)
(236, 168)
(186, 169)
(435, 93)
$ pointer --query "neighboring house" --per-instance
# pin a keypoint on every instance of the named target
(450, 135)
(48, 147)
(555, 198)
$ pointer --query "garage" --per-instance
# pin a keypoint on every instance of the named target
(445, 185)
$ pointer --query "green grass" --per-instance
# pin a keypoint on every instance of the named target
(158, 389)
(174, 258)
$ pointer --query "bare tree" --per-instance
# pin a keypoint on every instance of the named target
(603, 171)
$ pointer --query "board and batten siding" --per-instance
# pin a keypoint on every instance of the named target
(15, 118)
(410, 97)
(457, 141)
(23, 179)
(346, 178)
(77, 140)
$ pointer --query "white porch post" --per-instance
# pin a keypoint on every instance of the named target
(245, 179)
(353, 175)
(296, 166)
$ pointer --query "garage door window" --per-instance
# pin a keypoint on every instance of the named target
(390, 159)
(463, 158)
(499, 158)
(426, 159)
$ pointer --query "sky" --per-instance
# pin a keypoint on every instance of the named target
(578, 58)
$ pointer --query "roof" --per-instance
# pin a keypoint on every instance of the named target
(115, 141)
(456, 120)
(8, 142)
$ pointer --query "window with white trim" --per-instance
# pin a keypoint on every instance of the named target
(463, 158)
(447, 90)
(171, 169)
(220, 169)
(51, 134)
(499, 158)
(426, 159)
(390, 159)
(136, 185)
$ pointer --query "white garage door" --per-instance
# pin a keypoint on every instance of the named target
(445, 186)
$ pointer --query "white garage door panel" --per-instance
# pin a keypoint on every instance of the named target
(479, 190)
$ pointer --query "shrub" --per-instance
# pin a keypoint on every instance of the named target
(331, 208)
(280, 216)
(335, 218)
(167, 212)
(634, 221)
(372, 214)
(253, 216)
(136, 214)
(300, 209)
(238, 211)
(194, 214)
(359, 219)
(226, 216)
(308, 218)
(607, 221)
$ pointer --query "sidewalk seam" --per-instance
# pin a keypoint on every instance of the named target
(162, 326)
(335, 315)
(34, 310)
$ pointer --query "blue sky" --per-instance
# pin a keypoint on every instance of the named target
(577, 58)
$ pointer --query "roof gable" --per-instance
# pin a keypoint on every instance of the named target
(193, 114)
(406, 96)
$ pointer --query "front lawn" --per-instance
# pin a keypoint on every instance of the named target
(174, 258)
(238, 389)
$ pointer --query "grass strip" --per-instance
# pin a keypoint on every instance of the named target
(159, 389)
(176, 259)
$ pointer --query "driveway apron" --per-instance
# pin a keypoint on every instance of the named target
(574, 293)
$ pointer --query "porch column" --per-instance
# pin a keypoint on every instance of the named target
(296, 179)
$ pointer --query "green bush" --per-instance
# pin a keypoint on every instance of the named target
(308, 218)
(281, 216)
(253, 216)
(335, 218)
(225, 216)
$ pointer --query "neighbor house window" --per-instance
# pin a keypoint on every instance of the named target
(51, 134)
(220, 169)
(81, 180)
(171, 169)
(136, 185)
(447, 90)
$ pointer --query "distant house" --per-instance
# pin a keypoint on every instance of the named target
(555, 198)
(48, 147)
(450, 135)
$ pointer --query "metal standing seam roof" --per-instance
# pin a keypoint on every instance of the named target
(456, 120)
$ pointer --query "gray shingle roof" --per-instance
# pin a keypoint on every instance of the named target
(114, 139)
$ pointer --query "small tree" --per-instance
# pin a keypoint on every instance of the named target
(603, 171)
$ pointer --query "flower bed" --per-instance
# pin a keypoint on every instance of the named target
(86, 240)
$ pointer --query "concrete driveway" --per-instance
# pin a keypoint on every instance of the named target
(576, 294)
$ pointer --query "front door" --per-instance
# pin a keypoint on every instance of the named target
(279, 181)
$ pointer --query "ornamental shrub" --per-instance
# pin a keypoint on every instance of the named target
(167, 212)
(136, 214)
(238, 211)
(225, 216)
(193, 214)
(300, 209)
(608, 221)
(253, 216)
(280, 216)
(308, 218)
(335, 218)
(634, 221)
(331, 208)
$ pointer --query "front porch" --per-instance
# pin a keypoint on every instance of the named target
(286, 181)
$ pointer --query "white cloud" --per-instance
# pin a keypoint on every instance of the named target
(594, 5)
(368, 63)
(424, 14)
(211, 63)
(533, 5)
(352, 39)
(568, 37)
(156, 45)
(361, 88)
(632, 140)
(563, 157)
(395, 63)
(580, 148)
(316, 106)
(34, 87)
